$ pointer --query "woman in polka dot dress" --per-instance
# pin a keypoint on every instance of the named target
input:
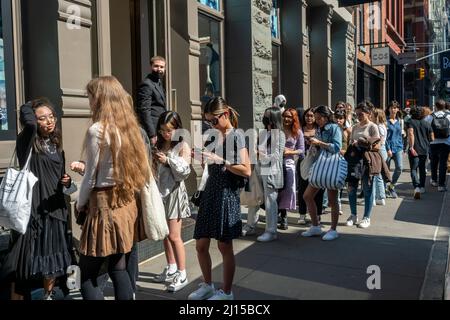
(219, 214)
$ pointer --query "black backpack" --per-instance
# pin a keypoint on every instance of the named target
(440, 126)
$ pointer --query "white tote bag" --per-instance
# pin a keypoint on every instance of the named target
(16, 193)
(255, 196)
(153, 212)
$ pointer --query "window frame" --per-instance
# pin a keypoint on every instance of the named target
(10, 86)
(277, 44)
(219, 17)
(277, 39)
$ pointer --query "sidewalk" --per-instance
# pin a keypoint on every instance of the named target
(408, 240)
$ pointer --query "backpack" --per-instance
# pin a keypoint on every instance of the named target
(440, 126)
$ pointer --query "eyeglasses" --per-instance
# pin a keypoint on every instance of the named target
(49, 117)
(214, 121)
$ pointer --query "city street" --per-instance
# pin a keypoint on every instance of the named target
(408, 240)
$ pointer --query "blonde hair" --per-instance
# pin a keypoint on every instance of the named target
(218, 106)
(379, 117)
(112, 107)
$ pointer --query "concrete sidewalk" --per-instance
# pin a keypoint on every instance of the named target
(408, 241)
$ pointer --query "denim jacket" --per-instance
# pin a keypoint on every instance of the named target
(331, 134)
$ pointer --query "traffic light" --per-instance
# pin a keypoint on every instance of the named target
(420, 73)
(410, 103)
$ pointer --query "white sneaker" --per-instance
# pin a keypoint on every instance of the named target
(417, 193)
(381, 202)
(267, 236)
(164, 276)
(205, 291)
(422, 190)
(312, 232)
(220, 295)
(434, 183)
(178, 283)
(302, 219)
(330, 235)
(352, 220)
(248, 230)
(365, 223)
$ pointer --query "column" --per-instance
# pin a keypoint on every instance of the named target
(321, 53)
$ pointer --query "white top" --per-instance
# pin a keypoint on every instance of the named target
(92, 178)
(429, 118)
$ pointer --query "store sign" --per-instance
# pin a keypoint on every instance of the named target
(445, 66)
(349, 3)
(380, 56)
(407, 58)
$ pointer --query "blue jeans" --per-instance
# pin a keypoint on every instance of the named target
(418, 163)
(398, 162)
(367, 185)
(379, 188)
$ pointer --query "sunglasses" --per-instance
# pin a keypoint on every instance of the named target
(214, 121)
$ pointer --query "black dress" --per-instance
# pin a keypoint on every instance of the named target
(43, 251)
(219, 215)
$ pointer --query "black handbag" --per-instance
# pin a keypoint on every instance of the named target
(196, 198)
(80, 217)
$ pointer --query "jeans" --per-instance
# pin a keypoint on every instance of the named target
(367, 185)
(439, 156)
(271, 205)
(398, 162)
(415, 163)
(380, 187)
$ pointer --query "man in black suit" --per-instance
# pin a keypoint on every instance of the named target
(151, 98)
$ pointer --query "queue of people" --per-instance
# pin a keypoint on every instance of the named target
(357, 144)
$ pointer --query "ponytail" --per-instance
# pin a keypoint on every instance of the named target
(234, 115)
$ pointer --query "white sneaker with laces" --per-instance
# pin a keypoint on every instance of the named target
(365, 223)
(267, 236)
(352, 220)
(312, 232)
(381, 202)
(302, 219)
(330, 235)
(248, 231)
(220, 295)
(178, 283)
(205, 291)
(164, 276)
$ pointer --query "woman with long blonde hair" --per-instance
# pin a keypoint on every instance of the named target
(114, 172)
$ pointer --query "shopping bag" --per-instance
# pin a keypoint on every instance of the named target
(329, 171)
(253, 197)
(16, 193)
(153, 212)
(308, 161)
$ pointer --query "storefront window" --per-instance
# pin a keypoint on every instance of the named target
(213, 4)
(210, 58)
(275, 19)
(7, 103)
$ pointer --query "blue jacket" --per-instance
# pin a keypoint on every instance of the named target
(394, 139)
(331, 134)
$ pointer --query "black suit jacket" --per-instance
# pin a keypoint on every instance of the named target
(151, 103)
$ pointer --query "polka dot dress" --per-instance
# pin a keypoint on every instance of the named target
(219, 215)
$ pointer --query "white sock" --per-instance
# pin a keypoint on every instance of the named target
(172, 267)
(183, 274)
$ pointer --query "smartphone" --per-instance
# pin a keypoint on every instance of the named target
(155, 149)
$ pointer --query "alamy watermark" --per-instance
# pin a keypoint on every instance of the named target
(374, 280)
(74, 20)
